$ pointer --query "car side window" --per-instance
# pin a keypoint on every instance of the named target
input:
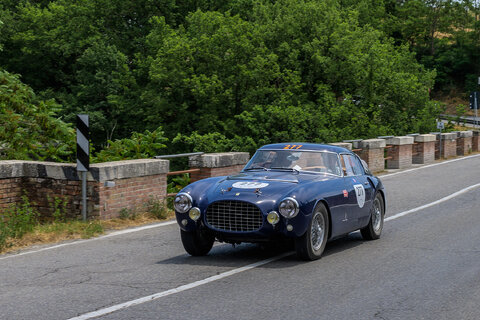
(346, 165)
(356, 165)
(350, 165)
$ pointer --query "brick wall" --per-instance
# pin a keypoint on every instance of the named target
(372, 151)
(400, 152)
(423, 149)
(449, 145)
(111, 186)
(42, 193)
(400, 157)
(423, 152)
(464, 143)
(10, 191)
(476, 141)
(375, 159)
(464, 146)
(132, 193)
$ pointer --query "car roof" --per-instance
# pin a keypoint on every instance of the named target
(304, 146)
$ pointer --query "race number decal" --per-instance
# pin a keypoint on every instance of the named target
(249, 185)
(360, 193)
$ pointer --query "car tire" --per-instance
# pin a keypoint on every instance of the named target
(375, 226)
(197, 243)
(311, 244)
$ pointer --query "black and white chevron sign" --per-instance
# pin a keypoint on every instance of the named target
(83, 136)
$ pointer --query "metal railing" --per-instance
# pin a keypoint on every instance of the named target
(173, 173)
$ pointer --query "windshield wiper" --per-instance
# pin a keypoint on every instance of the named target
(257, 168)
(289, 169)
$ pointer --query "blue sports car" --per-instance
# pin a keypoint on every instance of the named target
(310, 193)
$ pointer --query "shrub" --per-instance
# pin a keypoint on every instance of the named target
(17, 220)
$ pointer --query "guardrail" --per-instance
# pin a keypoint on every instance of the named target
(174, 173)
(462, 119)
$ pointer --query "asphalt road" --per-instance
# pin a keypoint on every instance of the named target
(425, 266)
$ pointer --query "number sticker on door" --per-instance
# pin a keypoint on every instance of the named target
(360, 193)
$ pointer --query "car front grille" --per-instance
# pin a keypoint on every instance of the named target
(232, 215)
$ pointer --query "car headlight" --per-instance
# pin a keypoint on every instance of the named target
(288, 208)
(194, 213)
(182, 202)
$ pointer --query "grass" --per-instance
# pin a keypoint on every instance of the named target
(20, 227)
(55, 232)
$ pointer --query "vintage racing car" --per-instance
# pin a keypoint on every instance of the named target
(310, 193)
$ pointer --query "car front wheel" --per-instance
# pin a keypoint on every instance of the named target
(197, 243)
(374, 228)
(310, 246)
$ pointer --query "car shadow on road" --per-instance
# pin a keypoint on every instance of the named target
(226, 255)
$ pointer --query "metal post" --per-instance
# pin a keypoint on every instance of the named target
(440, 146)
(476, 118)
(84, 195)
(475, 106)
(83, 156)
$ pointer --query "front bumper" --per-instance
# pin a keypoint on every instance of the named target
(266, 232)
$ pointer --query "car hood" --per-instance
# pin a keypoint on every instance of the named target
(261, 186)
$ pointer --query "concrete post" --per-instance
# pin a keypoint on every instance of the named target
(373, 153)
(464, 143)
(423, 149)
(476, 141)
(449, 145)
(399, 156)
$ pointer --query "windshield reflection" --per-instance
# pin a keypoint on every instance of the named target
(295, 161)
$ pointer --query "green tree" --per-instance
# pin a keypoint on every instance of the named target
(30, 127)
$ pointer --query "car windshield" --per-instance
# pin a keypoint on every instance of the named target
(294, 160)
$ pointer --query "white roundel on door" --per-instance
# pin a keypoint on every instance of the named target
(249, 185)
(360, 193)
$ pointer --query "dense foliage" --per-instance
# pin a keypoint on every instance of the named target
(232, 75)
(30, 128)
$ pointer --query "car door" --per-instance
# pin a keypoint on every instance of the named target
(360, 191)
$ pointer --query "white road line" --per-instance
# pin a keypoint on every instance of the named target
(453, 195)
(109, 235)
(427, 166)
(159, 295)
(122, 232)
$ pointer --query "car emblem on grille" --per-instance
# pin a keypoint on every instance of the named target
(237, 194)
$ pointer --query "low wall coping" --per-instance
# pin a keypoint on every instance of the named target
(425, 138)
(355, 143)
(346, 145)
(402, 140)
(465, 134)
(128, 169)
(373, 144)
(11, 169)
(218, 160)
(449, 136)
(68, 171)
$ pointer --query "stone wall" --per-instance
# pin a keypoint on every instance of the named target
(118, 185)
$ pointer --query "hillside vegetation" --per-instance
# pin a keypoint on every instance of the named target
(229, 75)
